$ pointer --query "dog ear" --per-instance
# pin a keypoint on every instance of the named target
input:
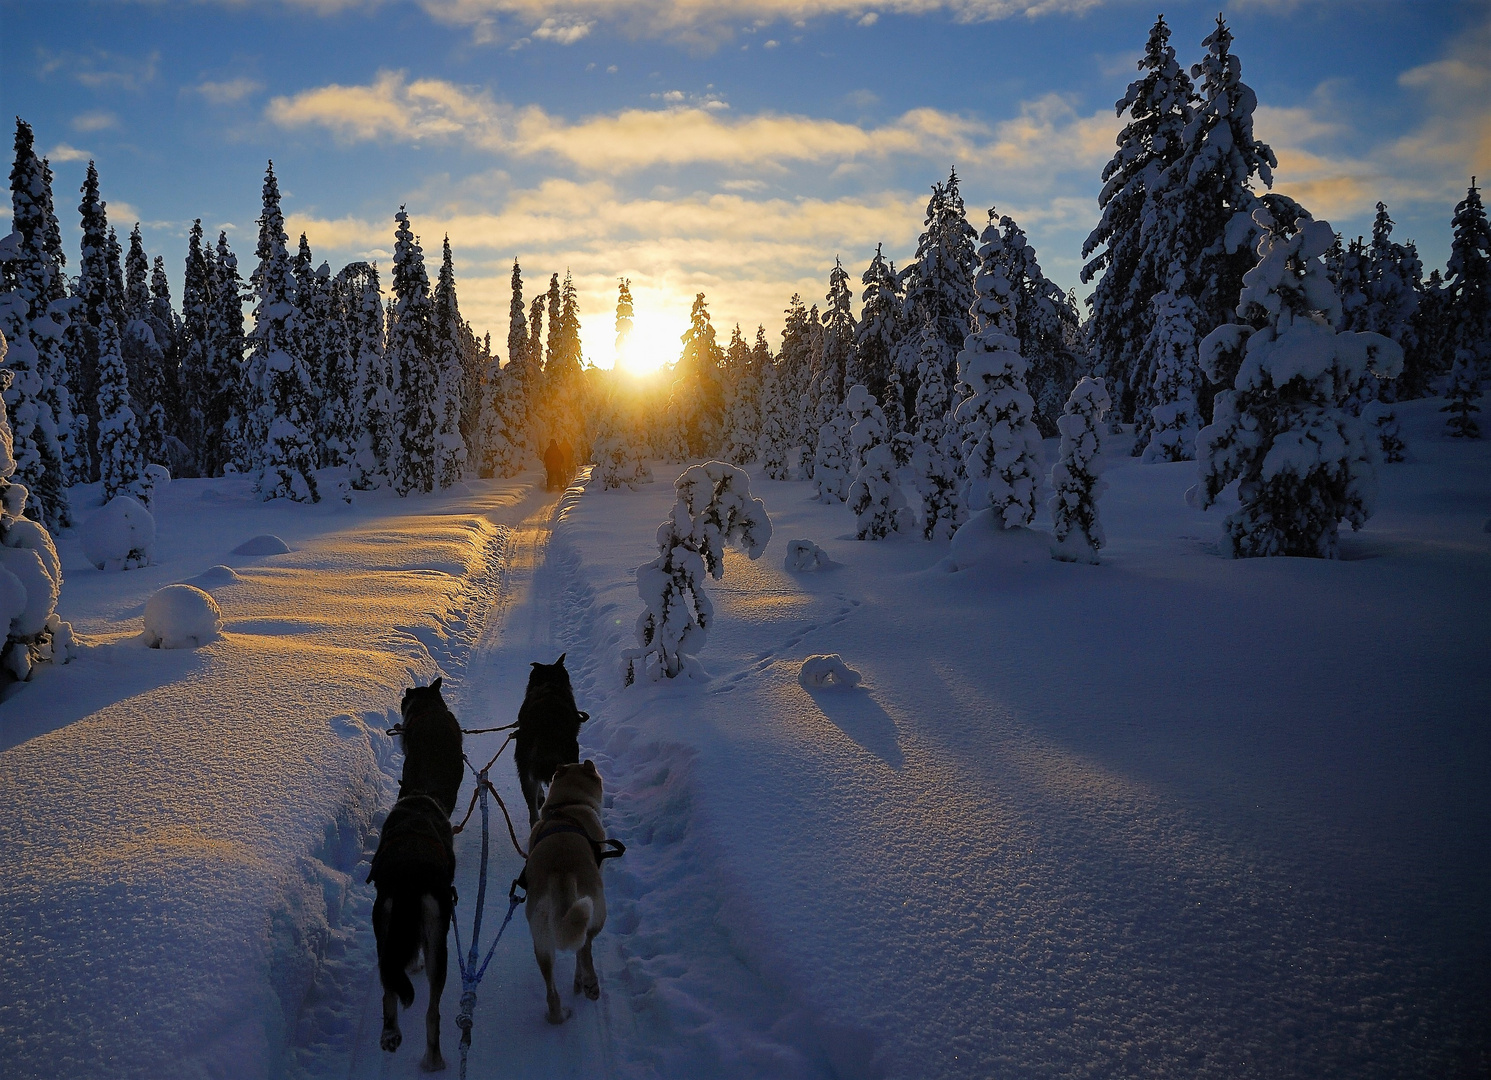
(590, 766)
(436, 684)
(560, 661)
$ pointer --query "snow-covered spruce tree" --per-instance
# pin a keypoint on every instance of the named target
(196, 390)
(166, 325)
(1284, 431)
(336, 429)
(411, 351)
(1001, 447)
(287, 463)
(714, 508)
(93, 295)
(934, 460)
(56, 355)
(120, 466)
(30, 572)
(742, 429)
(450, 367)
(839, 330)
(1198, 233)
(875, 495)
(1468, 288)
(696, 383)
(877, 341)
(775, 440)
(1159, 105)
(940, 283)
(1074, 506)
(28, 273)
(1174, 413)
(237, 399)
(1428, 357)
(370, 396)
(624, 319)
(1045, 321)
(144, 353)
(1394, 280)
(832, 469)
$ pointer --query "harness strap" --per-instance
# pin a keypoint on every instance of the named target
(596, 846)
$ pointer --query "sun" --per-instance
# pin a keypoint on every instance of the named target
(655, 337)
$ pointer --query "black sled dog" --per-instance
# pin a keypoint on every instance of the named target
(414, 867)
(548, 733)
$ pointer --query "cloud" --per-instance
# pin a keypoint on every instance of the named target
(100, 69)
(94, 121)
(565, 30)
(229, 91)
(1046, 133)
(63, 152)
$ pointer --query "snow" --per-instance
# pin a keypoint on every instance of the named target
(121, 536)
(263, 544)
(1176, 815)
(181, 617)
(804, 555)
(827, 672)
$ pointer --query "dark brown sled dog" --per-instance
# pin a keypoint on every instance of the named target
(548, 733)
(414, 868)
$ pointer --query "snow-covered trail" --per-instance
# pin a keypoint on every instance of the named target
(510, 1037)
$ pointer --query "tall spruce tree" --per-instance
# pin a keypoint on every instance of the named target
(1285, 431)
(238, 400)
(411, 351)
(287, 464)
(1199, 229)
(1468, 283)
(1001, 447)
(93, 296)
(696, 387)
(198, 391)
(1045, 321)
(939, 284)
(361, 302)
(877, 340)
(144, 342)
(37, 389)
(624, 317)
(448, 330)
(1160, 105)
(839, 331)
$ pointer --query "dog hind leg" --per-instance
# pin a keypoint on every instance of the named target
(436, 926)
(557, 1013)
(586, 980)
(382, 917)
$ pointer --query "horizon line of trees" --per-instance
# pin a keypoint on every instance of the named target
(108, 377)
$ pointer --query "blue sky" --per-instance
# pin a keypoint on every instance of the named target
(734, 147)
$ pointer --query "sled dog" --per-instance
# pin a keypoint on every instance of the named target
(548, 731)
(414, 867)
(414, 870)
(432, 746)
(566, 901)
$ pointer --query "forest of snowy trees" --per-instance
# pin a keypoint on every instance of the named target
(925, 408)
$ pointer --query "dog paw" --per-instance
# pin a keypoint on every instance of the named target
(391, 1039)
(593, 990)
(432, 1061)
(559, 1016)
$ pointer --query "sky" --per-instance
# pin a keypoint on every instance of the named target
(730, 147)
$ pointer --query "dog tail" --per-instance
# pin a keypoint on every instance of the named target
(400, 944)
(570, 933)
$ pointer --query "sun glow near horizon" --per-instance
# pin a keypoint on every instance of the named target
(659, 319)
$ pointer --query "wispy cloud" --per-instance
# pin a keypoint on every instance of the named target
(393, 108)
(94, 121)
(63, 152)
(227, 91)
(99, 69)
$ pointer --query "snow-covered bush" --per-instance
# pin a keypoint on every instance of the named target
(714, 508)
(1460, 401)
(876, 498)
(832, 469)
(263, 544)
(121, 536)
(30, 571)
(1285, 430)
(1001, 446)
(827, 671)
(1384, 419)
(1074, 510)
(804, 555)
(181, 617)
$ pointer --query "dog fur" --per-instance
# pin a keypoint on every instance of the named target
(548, 734)
(431, 742)
(566, 899)
(415, 865)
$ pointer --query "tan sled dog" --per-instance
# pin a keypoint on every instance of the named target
(566, 901)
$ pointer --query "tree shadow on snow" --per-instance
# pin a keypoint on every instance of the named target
(858, 715)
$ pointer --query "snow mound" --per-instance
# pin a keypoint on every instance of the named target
(181, 617)
(806, 555)
(218, 575)
(159, 478)
(981, 543)
(827, 672)
(263, 544)
(121, 536)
